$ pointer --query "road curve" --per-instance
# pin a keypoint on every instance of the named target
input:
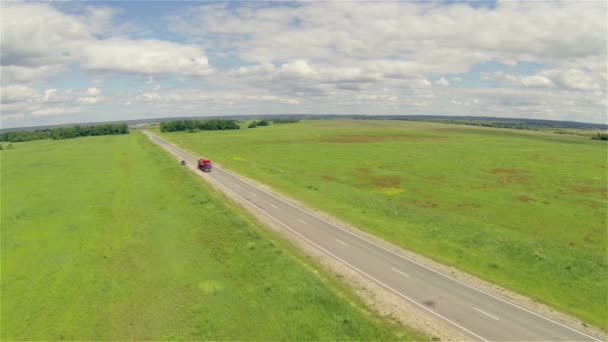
(478, 314)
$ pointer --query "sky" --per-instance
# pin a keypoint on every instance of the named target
(70, 62)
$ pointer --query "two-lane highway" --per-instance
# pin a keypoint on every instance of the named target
(480, 315)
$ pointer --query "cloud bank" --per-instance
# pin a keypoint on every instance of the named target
(511, 59)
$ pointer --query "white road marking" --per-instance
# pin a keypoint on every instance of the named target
(396, 270)
(238, 186)
(253, 194)
(413, 261)
(373, 243)
(274, 206)
(485, 313)
(342, 242)
(299, 219)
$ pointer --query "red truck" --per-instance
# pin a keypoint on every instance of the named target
(204, 165)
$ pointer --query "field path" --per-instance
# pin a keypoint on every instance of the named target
(478, 314)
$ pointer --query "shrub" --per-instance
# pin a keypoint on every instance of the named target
(263, 123)
(253, 124)
(600, 136)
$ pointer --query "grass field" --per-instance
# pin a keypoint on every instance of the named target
(524, 209)
(108, 238)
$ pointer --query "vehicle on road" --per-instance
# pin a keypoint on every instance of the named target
(204, 165)
(183, 162)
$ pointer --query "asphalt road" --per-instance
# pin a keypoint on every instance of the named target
(480, 315)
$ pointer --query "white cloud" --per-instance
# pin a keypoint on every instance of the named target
(255, 70)
(575, 79)
(12, 118)
(432, 35)
(87, 100)
(536, 81)
(311, 57)
(39, 40)
(36, 34)
(535, 103)
(571, 79)
(376, 97)
(50, 111)
(93, 91)
(25, 74)
(298, 68)
(91, 96)
(345, 51)
(18, 93)
(143, 56)
(367, 42)
(442, 82)
(197, 97)
(465, 102)
(22, 102)
(52, 95)
(101, 19)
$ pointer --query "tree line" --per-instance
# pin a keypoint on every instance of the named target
(255, 124)
(194, 125)
(281, 121)
(498, 124)
(65, 132)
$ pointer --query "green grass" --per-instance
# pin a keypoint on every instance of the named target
(523, 209)
(108, 238)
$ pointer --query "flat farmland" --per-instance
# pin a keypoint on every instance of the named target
(109, 238)
(524, 209)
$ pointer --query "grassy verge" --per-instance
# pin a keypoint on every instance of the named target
(524, 209)
(107, 238)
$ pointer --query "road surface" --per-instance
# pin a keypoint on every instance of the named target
(478, 314)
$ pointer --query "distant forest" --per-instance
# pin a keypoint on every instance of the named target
(65, 132)
(273, 117)
(284, 121)
(526, 125)
(194, 125)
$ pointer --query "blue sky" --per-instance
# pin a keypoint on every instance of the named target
(98, 61)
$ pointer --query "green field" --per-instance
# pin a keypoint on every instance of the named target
(524, 209)
(108, 238)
